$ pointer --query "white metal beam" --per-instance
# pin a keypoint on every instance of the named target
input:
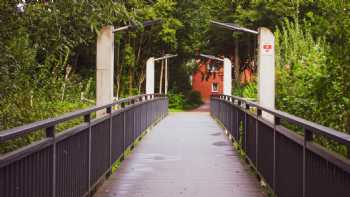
(234, 27)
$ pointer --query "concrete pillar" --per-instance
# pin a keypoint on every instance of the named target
(104, 68)
(150, 76)
(227, 76)
(266, 71)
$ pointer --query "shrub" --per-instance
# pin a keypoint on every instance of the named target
(247, 91)
(176, 100)
(308, 83)
(250, 91)
(194, 97)
(179, 101)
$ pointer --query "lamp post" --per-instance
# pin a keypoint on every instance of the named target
(266, 64)
(227, 72)
(105, 62)
(150, 73)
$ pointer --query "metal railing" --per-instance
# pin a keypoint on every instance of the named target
(72, 162)
(291, 164)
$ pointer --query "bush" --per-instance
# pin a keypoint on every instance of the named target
(195, 98)
(176, 101)
(250, 91)
(179, 101)
(308, 84)
(247, 91)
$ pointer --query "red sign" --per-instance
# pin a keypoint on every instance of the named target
(267, 46)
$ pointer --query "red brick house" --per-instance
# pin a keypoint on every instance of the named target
(208, 81)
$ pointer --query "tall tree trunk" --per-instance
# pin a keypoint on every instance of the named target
(166, 77)
(142, 66)
(119, 69)
(161, 77)
(141, 80)
(237, 66)
(130, 81)
(139, 51)
(68, 70)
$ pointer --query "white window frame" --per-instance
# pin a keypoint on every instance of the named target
(212, 87)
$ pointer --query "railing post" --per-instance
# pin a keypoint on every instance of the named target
(87, 119)
(258, 115)
(237, 119)
(133, 127)
(247, 107)
(147, 111)
(124, 127)
(50, 133)
(308, 136)
(219, 109)
(109, 112)
(277, 122)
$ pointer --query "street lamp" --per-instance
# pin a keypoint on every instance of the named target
(233, 27)
(133, 26)
(211, 57)
(266, 64)
(150, 73)
(105, 62)
(227, 72)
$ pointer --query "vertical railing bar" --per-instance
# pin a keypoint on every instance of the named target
(308, 136)
(133, 128)
(219, 109)
(124, 128)
(277, 122)
(109, 111)
(258, 113)
(87, 119)
(238, 119)
(247, 107)
(50, 133)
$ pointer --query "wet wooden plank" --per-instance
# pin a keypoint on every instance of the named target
(187, 154)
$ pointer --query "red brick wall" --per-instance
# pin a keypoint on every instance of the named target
(203, 86)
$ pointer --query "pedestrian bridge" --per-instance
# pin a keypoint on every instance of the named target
(138, 149)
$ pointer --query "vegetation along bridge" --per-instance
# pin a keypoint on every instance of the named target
(186, 154)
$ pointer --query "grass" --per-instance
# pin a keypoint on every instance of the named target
(176, 110)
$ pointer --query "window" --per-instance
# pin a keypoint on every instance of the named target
(215, 87)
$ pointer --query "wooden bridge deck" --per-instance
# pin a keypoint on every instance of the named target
(186, 154)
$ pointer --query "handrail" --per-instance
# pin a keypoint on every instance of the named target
(75, 161)
(341, 137)
(290, 163)
(28, 128)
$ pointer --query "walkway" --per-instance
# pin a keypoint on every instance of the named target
(186, 154)
(203, 108)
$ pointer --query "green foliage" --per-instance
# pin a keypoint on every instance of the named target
(178, 101)
(48, 53)
(301, 62)
(194, 99)
(165, 10)
(306, 86)
(41, 111)
(248, 91)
